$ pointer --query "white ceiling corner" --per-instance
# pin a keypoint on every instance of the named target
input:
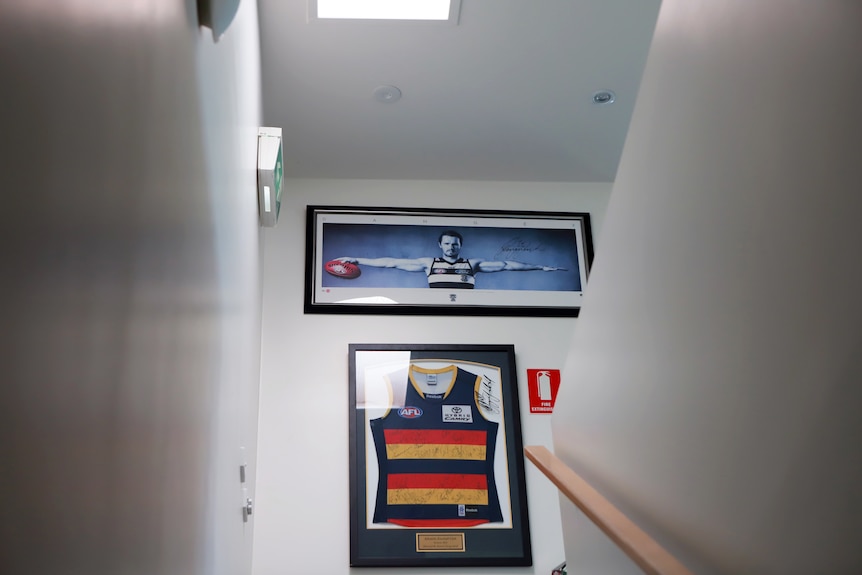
(504, 95)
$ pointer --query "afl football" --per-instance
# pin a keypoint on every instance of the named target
(341, 269)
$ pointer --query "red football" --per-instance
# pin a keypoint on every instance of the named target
(342, 269)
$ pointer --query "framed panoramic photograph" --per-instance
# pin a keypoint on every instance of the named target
(454, 262)
(436, 457)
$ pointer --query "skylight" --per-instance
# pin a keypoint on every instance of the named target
(385, 9)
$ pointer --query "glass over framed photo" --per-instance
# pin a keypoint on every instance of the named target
(455, 262)
(436, 457)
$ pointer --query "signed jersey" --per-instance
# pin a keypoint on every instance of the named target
(458, 275)
(436, 454)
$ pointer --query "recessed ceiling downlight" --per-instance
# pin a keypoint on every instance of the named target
(387, 94)
(604, 97)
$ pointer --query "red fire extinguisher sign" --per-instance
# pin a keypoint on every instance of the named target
(543, 385)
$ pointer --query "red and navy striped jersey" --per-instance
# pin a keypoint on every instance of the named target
(436, 454)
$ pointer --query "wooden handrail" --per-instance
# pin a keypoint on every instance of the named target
(640, 547)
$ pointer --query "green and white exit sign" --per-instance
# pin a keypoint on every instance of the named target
(270, 175)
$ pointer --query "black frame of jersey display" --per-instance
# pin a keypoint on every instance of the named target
(463, 262)
(436, 457)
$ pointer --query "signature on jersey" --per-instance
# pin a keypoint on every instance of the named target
(485, 397)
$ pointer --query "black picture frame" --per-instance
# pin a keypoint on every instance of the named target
(546, 258)
(436, 473)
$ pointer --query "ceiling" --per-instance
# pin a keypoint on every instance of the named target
(504, 95)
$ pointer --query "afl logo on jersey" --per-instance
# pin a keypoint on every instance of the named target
(410, 412)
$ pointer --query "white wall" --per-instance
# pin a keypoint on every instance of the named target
(713, 387)
(303, 499)
(228, 77)
(130, 293)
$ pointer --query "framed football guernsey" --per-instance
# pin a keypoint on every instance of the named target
(436, 457)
